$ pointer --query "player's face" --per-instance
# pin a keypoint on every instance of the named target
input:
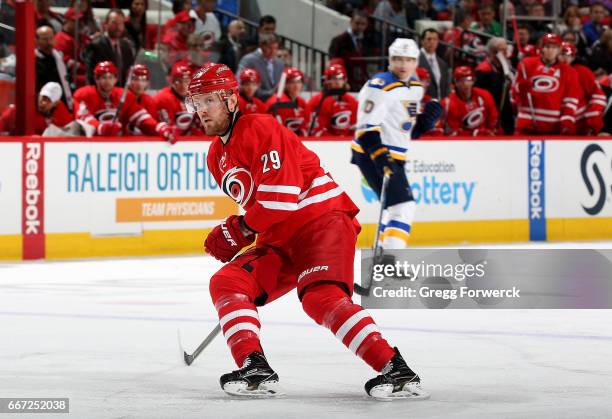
(106, 82)
(464, 86)
(213, 112)
(403, 67)
(44, 104)
(550, 52)
(249, 88)
(139, 86)
(567, 59)
(181, 86)
(294, 88)
(336, 83)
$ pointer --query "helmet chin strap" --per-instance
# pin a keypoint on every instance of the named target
(232, 120)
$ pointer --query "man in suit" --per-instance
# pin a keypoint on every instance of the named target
(348, 46)
(112, 46)
(436, 67)
(267, 65)
(230, 45)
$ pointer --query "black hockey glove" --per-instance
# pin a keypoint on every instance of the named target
(383, 161)
(427, 120)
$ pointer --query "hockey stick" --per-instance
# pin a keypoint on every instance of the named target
(520, 48)
(377, 248)
(123, 94)
(189, 358)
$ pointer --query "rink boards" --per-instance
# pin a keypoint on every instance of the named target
(62, 198)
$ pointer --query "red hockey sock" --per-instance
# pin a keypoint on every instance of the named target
(233, 297)
(329, 305)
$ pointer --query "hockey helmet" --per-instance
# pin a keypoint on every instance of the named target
(403, 47)
(249, 75)
(334, 71)
(551, 38)
(105, 67)
(294, 74)
(211, 78)
(141, 72)
(181, 70)
(462, 72)
(568, 49)
(423, 74)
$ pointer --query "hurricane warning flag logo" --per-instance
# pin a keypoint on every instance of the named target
(237, 183)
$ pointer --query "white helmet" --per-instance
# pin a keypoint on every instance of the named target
(403, 47)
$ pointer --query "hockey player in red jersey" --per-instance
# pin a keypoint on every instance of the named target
(290, 109)
(139, 86)
(306, 231)
(334, 110)
(469, 111)
(591, 99)
(546, 92)
(170, 102)
(249, 83)
(97, 106)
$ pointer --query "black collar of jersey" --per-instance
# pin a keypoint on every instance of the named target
(230, 128)
(179, 97)
(248, 99)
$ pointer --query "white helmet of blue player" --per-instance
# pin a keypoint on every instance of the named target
(403, 47)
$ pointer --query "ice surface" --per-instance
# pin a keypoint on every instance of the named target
(103, 333)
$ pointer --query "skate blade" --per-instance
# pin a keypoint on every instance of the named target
(410, 391)
(267, 389)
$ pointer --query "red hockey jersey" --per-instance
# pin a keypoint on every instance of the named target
(591, 102)
(92, 108)
(171, 109)
(250, 105)
(478, 116)
(60, 116)
(554, 91)
(148, 103)
(336, 116)
(296, 119)
(279, 182)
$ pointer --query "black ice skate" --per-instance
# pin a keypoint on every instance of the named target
(254, 379)
(397, 381)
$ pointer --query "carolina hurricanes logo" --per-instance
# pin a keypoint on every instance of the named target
(294, 124)
(341, 119)
(474, 118)
(545, 84)
(183, 120)
(237, 183)
(105, 115)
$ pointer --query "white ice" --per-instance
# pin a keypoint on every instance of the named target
(104, 334)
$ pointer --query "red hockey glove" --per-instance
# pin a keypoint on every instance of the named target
(109, 129)
(568, 127)
(595, 124)
(166, 132)
(228, 238)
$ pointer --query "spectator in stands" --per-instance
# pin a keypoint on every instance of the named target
(230, 45)
(180, 6)
(136, 24)
(435, 65)
(392, 11)
(112, 46)
(600, 60)
(286, 56)
(572, 20)
(349, 47)
(490, 76)
(205, 21)
(538, 28)
(170, 102)
(267, 65)
(247, 101)
(50, 110)
(88, 26)
(45, 16)
(443, 8)
(267, 24)
(65, 43)
(200, 51)
(418, 9)
(487, 22)
(7, 16)
(594, 28)
(50, 66)
(174, 43)
(296, 116)
(468, 46)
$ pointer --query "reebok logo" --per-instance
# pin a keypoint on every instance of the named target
(32, 188)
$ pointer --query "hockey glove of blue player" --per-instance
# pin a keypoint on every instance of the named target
(383, 161)
(427, 120)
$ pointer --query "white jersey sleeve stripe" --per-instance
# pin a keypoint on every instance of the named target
(277, 205)
(288, 189)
